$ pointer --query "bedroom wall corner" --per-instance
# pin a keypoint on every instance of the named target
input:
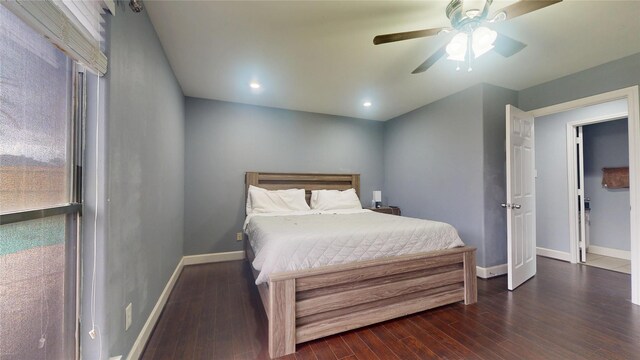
(144, 150)
(495, 99)
(224, 140)
(433, 164)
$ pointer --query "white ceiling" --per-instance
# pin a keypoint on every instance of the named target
(318, 56)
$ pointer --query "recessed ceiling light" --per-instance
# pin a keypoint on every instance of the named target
(255, 85)
(366, 104)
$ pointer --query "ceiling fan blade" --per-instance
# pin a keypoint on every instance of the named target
(430, 61)
(383, 39)
(525, 6)
(507, 46)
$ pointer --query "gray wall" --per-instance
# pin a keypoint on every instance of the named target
(552, 189)
(224, 140)
(610, 76)
(145, 180)
(445, 162)
(495, 100)
(433, 164)
(607, 145)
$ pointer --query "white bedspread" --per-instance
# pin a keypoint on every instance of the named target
(303, 240)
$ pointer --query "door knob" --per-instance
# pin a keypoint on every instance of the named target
(511, 206)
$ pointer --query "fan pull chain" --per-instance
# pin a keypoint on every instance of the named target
(469, 51)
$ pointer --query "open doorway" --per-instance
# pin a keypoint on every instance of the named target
(562, 226)
(559, 206)
(602, 192)
(601, 189)
(607, 237)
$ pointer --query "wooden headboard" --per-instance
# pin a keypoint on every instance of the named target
(281, 181)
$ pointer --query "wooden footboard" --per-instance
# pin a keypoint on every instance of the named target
(309, 304)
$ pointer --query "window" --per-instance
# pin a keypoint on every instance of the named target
(40, 123)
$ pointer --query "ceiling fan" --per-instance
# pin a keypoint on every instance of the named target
(472, 35)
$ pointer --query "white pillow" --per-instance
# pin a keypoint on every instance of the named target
(261, 200)
(335, 200)
(314, 198)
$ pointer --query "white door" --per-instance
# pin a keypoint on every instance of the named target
(521, 206)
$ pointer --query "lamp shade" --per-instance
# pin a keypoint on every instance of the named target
(482, 40)
(457, 47)
(377, 196)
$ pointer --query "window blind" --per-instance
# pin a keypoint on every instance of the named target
(74, 26)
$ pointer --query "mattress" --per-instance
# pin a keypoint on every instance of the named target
(310, 239)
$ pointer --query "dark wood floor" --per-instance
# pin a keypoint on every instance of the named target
(565, 312)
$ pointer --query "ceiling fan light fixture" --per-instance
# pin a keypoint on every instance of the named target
(472, 13)
(467, 18)
(462, 12)
(501, 16)
(457, 47)
(482, 40)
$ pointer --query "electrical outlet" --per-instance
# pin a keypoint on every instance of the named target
(239, 236)
(127, 317)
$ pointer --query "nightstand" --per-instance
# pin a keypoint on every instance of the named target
(392, 210)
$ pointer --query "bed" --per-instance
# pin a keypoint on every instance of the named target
(310, 303)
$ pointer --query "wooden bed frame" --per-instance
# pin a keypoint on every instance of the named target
(309, 304)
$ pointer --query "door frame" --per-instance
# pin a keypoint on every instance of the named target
(631, 95)
(573, 174)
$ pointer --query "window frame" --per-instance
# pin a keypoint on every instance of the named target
(72, 210)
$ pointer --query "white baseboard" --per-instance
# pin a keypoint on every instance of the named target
(554, 254)
(491, 271)
(147, 329)
(213, 257)
(621, 254)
